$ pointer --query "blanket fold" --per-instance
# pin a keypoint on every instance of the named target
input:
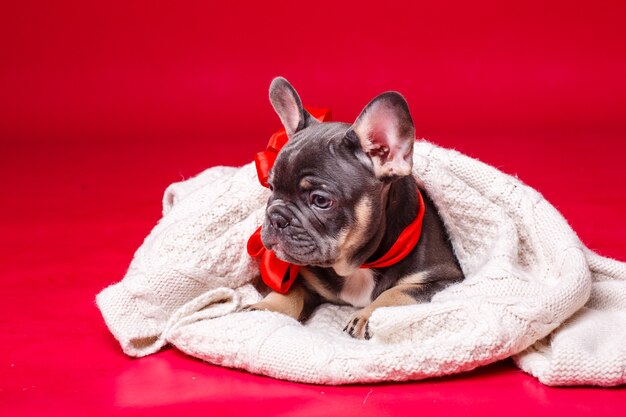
(532, 289)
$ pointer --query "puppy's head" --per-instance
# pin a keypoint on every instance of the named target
(329, 181)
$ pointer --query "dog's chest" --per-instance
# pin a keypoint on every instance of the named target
(357, 288)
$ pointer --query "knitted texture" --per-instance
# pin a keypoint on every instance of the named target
(532, 289)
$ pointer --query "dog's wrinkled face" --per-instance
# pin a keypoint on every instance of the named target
(329, 181)
(323, 201)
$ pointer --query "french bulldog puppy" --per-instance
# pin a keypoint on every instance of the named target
(341, 196)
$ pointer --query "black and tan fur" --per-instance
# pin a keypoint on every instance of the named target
(363, 173)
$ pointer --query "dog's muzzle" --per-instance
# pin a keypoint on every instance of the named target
(278, 216)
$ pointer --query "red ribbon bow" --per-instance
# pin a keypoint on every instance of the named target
(278, 274)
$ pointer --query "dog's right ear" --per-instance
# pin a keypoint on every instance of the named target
(386, 134)
(288, 106)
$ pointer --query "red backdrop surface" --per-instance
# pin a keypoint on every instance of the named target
(103, 104)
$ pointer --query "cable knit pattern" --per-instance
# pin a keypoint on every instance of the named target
(532, 289)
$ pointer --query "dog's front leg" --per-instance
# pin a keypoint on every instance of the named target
(357, 326)
(298, 303)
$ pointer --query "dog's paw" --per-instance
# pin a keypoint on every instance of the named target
(358, 325)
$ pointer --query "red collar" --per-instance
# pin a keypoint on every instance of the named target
(278, 274)
(405, 242)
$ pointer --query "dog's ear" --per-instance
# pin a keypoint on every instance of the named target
(287, 104)
(386, 134)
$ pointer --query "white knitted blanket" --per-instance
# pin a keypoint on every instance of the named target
(533, 290)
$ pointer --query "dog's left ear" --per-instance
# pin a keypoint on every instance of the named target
(386, 133)
(288, 106)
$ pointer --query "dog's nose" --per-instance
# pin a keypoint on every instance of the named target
(278, 221)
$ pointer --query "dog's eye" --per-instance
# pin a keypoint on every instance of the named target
(320, 201)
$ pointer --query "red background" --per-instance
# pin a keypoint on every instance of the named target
(103, 104)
